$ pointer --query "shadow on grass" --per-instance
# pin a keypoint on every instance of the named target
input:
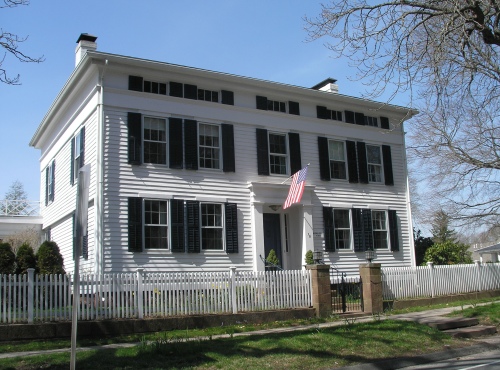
(317, 348)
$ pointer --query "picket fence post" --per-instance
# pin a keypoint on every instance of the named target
(140, 294)
(31, 294)
(431, 274)
(232, 276)
(479, 280)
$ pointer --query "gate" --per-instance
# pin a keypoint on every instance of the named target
(346, 291)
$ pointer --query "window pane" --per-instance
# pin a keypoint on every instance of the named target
(277, 144)
(342, 228)
(211, 226)
(155, 140)
(155, 224)
(209, 150)
(336, 150)
(373, 154)
(379, 226)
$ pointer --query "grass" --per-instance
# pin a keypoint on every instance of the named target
(442, 305)
(314, 348)
(487, 314)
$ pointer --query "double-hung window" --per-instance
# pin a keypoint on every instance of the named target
(379, 229)
(342, 226)
(77, 154)
(278, 154)
(337, 159)
(155, 224)
(374, 161)
(155, 140)
(209, 146)
(212, 227)
(50, 176)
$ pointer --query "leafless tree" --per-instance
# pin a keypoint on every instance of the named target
(445, 54)
(10, 43)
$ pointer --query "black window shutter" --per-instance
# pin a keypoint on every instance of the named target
(324, 159)
(191, 144)
(135, 224)
(357, 228)
(261, 102)
(388, 175)
(362, 163)
(135, 83)
(177, 225)
(85, 245)
(295, 157)
(190, 91)
(329, 229)
(359, 118)
(228, 162)
(162, 89)
(227, 97)
(349, 116)
(53, 181)
(231, 214)
(294, 108)
(134, 125)
(367, 229)
(147, 86)
(47, 186)
(82, 147)
(193, 226)
(175, 142)
(321, 112)
(384, 123)
(72, 166)
(352, 161)
(393, 230)
(262, 152)
(176, 89)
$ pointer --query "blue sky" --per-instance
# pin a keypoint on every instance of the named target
(258, 38)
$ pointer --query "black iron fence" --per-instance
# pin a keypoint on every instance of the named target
(347, 292)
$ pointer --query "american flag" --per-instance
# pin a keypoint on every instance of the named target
(296, 188)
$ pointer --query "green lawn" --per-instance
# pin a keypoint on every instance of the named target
(314, 348)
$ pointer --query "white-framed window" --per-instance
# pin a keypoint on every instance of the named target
(374, 160)
(379, 229)
(208, 95)
(77, 152)
(209, 152)
(278, 153)
(155, 224)
(155, 140)
(212, 226)
(371, 121)
(336, 151)
(342, 228)
(50, 182)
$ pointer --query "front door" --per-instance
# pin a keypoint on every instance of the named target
(272, 235)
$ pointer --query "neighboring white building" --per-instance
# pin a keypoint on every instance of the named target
(189, 169)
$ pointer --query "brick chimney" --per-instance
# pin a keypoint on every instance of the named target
(328, 85)
(85, 42)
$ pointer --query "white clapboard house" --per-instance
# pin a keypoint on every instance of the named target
(190, 169)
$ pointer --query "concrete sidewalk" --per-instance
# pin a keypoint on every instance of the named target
(482, 344)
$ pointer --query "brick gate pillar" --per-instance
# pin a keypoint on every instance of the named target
(321, 291)
(371, 279)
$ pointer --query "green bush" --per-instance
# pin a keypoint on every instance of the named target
(49, 259)
(448, 253)
(309, 258)
(272, 258)
(25, 259)
(7, 259)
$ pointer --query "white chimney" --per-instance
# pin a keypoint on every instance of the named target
(85, 42)
(327, 85)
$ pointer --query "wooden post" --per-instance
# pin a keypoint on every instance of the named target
(31, 294)
(321, 290)
(371, 278)
(232, 275)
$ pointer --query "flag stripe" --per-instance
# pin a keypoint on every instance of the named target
(296, 188)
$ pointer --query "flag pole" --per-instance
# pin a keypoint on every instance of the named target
(288, 178)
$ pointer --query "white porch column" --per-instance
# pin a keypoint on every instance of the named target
(258, 232)
(307, 231)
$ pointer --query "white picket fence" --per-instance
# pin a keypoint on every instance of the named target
(433, 281)
(30, 297)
